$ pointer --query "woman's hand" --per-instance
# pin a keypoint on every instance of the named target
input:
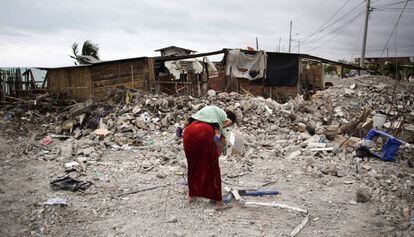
(227, 123)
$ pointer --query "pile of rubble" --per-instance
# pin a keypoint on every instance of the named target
(340, 115)
(323, 132)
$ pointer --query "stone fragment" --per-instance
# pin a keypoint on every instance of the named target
(363, 195)
(136, 109)
(211, 93)
(173, 220)
(329, 169)
(161, 175)
(301, 127)
(87, 151)
(294, 154)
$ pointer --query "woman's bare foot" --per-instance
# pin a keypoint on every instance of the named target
(191, 199)
(221, 206)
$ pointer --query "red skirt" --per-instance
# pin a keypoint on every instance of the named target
(204, 179)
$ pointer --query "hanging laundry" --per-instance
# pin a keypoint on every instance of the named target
(249, 65)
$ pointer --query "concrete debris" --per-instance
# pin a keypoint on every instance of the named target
(305, 149)
(57, 201)
(363, 195)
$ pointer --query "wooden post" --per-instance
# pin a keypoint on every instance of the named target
(132, 76)
(263, 82)
(151, 73)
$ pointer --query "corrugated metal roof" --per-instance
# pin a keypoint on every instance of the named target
(99, 63)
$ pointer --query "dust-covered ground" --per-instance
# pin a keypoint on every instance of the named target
(323, 183)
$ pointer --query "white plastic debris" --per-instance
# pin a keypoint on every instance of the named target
(237, 143)
(57, 201)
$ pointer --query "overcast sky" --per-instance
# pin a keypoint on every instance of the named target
(41, 32)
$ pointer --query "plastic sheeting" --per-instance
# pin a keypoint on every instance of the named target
(249, 65)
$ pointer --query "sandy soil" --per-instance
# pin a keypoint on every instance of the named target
(165, 211)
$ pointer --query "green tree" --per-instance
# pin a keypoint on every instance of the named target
(89, 54)
(329, 69)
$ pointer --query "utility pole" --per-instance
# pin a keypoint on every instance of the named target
(290, 36)
(257, 44)
(364, 41)
(280, 39)
(298, 46)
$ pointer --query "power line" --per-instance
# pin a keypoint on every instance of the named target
(338, 30)
(395, 27)
(333, 23)
(335, 29)
(393, 3)
(334, 14)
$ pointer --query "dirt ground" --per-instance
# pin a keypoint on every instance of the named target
(165, 211)
(323, 183)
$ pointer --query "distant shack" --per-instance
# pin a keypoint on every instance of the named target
(95, 80)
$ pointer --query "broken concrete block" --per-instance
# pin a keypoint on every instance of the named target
(294, 154)
(211, 93)
(102, 132)
(363, 195)
(136, 109)
(329, 169)
(87, 151)
(140, 123)
(301, 127)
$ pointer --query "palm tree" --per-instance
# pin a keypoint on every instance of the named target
(89, 53)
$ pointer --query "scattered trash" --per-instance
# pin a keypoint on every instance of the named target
(389, 147)
(379, 120)
(57, 201)
(237, 143)
(139, 190)
(257, 193)
(68, 183)
(71, 166)
(46, 140)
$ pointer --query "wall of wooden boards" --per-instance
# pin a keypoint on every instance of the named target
(130, 74)
(97, 80)
(76, 81)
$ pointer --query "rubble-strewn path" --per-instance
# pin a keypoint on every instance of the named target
(139, 153)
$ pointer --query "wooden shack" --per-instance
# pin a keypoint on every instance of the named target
(95, 80)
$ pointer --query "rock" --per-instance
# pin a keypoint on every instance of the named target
(340, 173)
(329, 169)
(301, 127)
(66, 150)
(178, 234)
(161, 175)
(380, 86)
(294, 154)
(141, 123)
(183, 164)
(349, 92)
(102, 132)
(363, 195)
(366, 167)
(173, 220)
(211, 93)
(87, 151)
(320, 130)
(146, 164)
(136, 109)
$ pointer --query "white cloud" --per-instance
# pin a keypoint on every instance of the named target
(44, 30)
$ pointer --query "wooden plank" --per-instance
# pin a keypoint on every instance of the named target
(151, 73)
